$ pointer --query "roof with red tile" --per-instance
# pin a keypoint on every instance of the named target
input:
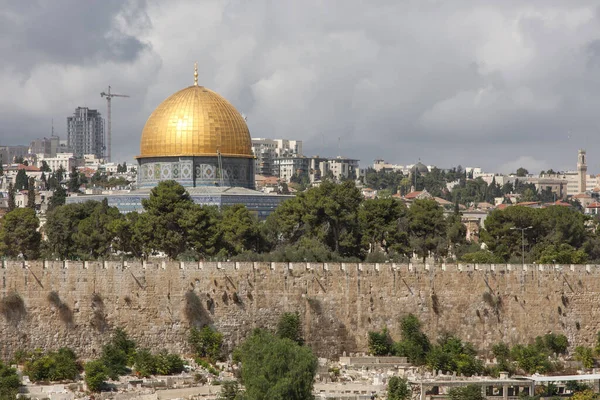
(593, 205)
(413, 195)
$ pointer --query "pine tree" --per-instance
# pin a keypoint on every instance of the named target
(21, 180)
(44, 181)
(31, 193)
(11, 197)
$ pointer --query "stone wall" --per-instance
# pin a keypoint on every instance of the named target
(77, 304)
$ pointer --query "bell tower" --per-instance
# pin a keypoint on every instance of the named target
(581, 171)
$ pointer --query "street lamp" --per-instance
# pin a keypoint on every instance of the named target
(522, 241)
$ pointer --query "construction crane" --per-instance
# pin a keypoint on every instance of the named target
(109, 96)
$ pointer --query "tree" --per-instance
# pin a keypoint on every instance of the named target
(31, 193)
(328, 213)
(21, 180)
(238, 230)
(59, 198)
(94, 237)
(203, 229)
(206, 343)
(585, 395)
(414, 344)
(380, 343)
(398, 389)
(469, 392)
(1, 169)
(45, 167)
(383, 225)
(585, 355)
(118, 354)
(19, 160)
(522, 172)
(230, 390)
(289, 327)
(95, 375)
(276, 369)
(52, 366)
(9, 382)
(427, 227)
(74, 184)
(167, 209)
(11, 197)
(19, 234)
(451, 354)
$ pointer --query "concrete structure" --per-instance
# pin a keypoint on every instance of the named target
(581, 172)
(9, 153)
(344, 168)
(85, 132)
(157, 301)
(267, 151)
(45, 147)
(287, 167)
(64, 160)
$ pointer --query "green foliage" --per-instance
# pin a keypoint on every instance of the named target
(11, 197)
(469, 392)
(163, 363)
(427, 227)
(414, 344)
(45, 167)
(74, 183)
(59, 196)
(380, 343)
(230, 390)
(19, 234)
(556, 343)
(481, 257)
(586, 395)
(52, 366)
(118, 354)
(289, 327)
(531, 358)
(398, 389)
(21, 180)
(562, 254)
(206, 343)
(9, 382)
(521, 172)
(451, 354)
(95, 375)
(327, 213)
(166, 210)
(238, 230)
(31, 193)
(585, 355)
(276, 369)
(384, 225)
(81, 231)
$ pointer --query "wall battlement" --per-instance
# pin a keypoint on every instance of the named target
(156, 301)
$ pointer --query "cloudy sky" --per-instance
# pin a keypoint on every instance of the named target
(496, 84)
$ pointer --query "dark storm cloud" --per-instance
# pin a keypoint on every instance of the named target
(68, 32)
(488, 84)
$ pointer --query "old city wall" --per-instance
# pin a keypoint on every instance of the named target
(52, 304)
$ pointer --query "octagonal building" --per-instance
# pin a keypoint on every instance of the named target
(196, 138)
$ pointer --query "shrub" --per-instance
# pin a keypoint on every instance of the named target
(206, 343)
(95, 375)
(556, 343)
(9, 382)
(118, 354)
(52, 366)
(470, 392)
(168, 364)
(585, 355)
(380, 343)
(289, 327)
(230, 390)
(398, 389)
(145, 364)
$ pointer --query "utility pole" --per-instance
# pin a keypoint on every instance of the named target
(522, 241)
(109, 97)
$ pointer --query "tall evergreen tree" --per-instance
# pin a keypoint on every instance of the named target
(11, 197)
(21, 180)
(74, 184)
(31, 193)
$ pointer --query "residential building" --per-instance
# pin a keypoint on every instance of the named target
(267, 150)
(64, 160)
(46, 147)
(287, 167)
(85, 132)
(9, 153)
(343, 168)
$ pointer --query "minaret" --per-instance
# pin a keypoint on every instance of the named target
(581, 171)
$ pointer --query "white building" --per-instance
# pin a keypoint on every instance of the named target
(267, 150)
(64, 160)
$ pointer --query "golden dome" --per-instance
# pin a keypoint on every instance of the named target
(195, 122)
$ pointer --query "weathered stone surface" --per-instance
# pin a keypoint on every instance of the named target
(156, 302)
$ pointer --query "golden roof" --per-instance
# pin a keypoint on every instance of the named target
(195, 122)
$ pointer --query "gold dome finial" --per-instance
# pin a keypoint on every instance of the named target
(195, 74)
